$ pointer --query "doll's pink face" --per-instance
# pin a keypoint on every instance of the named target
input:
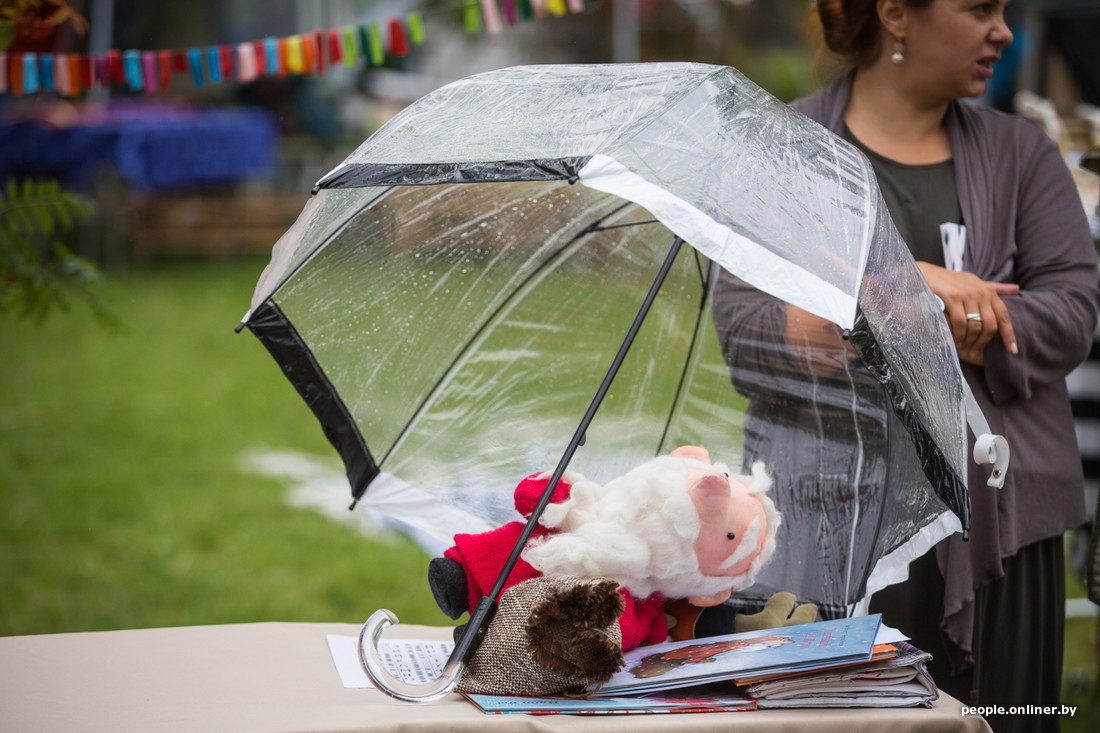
(733, 524)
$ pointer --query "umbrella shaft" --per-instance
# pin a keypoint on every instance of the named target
(578, 436)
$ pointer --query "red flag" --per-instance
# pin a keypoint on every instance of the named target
(15, 73)
(75, 77)
(225, 61)
(261, 57)
(399, 42)
(114, 66)
(180, 64)
(319, 51)
(335, 51)
(164, 68)
(87, 77)
(282, 56)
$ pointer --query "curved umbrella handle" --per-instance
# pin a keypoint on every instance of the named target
(438, 688)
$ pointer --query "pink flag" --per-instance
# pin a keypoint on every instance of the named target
(149, 71)
(246, 62)
(491, 14)
(62, 81)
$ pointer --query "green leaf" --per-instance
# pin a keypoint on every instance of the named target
(39, 272)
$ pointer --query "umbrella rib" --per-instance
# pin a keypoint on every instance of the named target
(703, 278)
(555, 257)
(624, 225)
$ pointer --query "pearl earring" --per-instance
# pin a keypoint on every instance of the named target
(898, 57)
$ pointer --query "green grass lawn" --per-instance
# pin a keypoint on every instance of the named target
(124, 505)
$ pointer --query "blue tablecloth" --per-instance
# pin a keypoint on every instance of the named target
(158, 149)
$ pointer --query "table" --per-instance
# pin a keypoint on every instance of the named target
(280, 677)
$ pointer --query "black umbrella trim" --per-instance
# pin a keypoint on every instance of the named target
(945, 482)
(421, 174)
(275, 332)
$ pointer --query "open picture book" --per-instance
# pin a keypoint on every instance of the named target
(744, 656)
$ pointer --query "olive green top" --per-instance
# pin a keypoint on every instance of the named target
(919, 197)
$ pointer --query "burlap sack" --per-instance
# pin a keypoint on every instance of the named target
(549, 636)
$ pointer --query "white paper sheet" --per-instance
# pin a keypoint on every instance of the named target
(889, 635)
(412, 660)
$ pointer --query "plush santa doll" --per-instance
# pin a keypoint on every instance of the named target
(676, 527)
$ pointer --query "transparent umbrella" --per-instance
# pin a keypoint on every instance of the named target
(493, 284)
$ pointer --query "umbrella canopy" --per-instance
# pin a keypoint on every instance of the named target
(452, 293)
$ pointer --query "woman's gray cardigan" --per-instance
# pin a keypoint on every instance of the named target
(1026, 225)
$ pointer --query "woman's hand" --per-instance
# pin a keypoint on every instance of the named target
(974, 310)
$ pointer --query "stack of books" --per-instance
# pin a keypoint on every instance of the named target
(853, 662)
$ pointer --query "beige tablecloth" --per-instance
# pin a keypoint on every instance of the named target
(270, 677)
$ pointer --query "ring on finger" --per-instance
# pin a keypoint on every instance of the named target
(976, 317)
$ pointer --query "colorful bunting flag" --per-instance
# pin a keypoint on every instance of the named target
(318, 40)
(76, 75)
(294, 54)
(364, 42)
(102, 72)
(259, 52)
(63, 82)
(213, 65)
(351, 45)
(87, 72)
(246, 62)
(309, 62)
(180, 62)
(471, 17)
(284, 57)
(194, 58)
(45, 72)
(271, 53)
(30, 73)
(16, 64)
(508, 9)
(399, 42)
(377, 48)
(225, 60)
(416, 28)
(131, 65)
(114, 66)
(151, 71)
(164, 69)
(335, 50)
(491, 15)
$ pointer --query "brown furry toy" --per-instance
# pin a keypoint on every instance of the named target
(549, 636)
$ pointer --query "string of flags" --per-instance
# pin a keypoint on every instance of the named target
(313, 53)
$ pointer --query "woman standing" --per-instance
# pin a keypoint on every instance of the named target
(1021, 308)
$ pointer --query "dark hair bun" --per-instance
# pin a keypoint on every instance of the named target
(850, 29)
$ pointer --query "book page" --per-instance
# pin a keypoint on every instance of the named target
(412, 660)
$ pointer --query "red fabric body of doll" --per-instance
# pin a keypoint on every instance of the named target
(483, 555)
